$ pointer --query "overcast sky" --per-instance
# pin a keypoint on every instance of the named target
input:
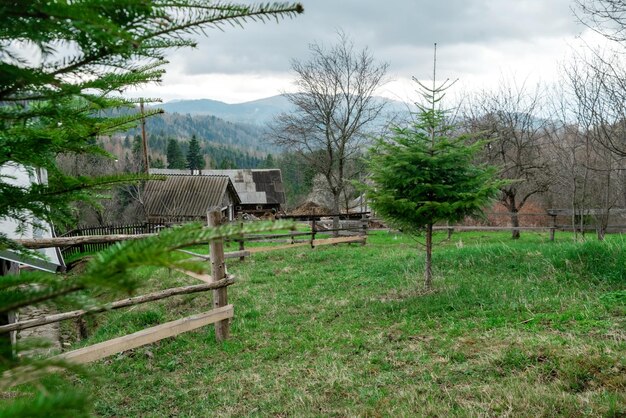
(479, 42)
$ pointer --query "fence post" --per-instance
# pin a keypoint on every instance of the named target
(81, 247)
(313, 230)
(241, 244)
(553, 227)
(364, 224)
(8, 340)
(218, 272)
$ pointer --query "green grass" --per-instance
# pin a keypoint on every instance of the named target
(517, 328)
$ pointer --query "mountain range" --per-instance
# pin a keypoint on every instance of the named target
(256, 112)
(238, 131)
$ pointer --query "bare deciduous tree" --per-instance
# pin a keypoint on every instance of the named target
(607, 17)
(512, 118)
(335, 111)
(598, 110)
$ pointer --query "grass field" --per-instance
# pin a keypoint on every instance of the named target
(512, 328)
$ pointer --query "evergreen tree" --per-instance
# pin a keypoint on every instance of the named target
(195, 159)
(424, 174)
(137, 153)
(157, 163)
(268, 162)
(87, 51)
(227, 164)
(175, 159)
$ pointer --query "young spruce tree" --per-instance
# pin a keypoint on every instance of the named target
(425, 174)
(175, 158)
(195, 159)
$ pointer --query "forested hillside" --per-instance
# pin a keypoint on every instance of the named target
(207, 128)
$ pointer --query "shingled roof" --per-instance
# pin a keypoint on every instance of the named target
(187, 195)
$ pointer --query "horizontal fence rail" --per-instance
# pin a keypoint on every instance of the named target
(124, 303)
(85, 240)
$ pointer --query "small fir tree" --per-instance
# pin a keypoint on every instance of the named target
(137, 152)
(157, 162)
(227, 164)
(175, 158)
(195, 159)
(269, 162)
(424, 174)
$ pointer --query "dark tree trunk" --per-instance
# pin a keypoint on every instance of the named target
(336, 211)
(509, 202)
(515, 223)
(601, 231)
(428, 271)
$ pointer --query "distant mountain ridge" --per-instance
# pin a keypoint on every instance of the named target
(256, 112)
(240, 127)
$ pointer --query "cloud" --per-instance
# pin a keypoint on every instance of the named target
(474, 37)
(387, 28)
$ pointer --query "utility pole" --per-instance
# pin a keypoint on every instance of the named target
(144, 140)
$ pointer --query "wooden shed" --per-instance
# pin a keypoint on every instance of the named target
(184, 198)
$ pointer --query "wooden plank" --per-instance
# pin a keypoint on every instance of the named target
(202, 277)
(174, 291)
(255, 237)
(36, 243)
(195, 255)
(273, 240)
(339, 240)
(146, 336)
(207, 257)
(276, 247)
(235, 254)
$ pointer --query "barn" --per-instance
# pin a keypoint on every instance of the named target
(184, 198)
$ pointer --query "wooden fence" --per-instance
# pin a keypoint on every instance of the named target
(354, 229)
(552, 221)
(319, 233)
(314, 237)
(133, 229)
(217, 282)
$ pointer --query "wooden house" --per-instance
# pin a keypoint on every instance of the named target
(184, 198)
(49, 259)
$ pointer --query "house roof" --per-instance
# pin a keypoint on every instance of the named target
(186, 195)
(254, 186)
